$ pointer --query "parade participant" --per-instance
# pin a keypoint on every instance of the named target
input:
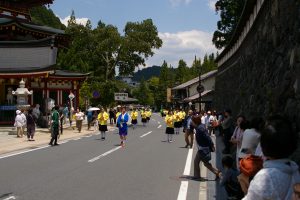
(178, 118)
(169, 119)
(279, 174)
(102, 118)
(134, 115)
(205, 147)
(30, 125)
(118, 113)
(148, 114)
(122, 124)
(55, 126)
(79, 118)
(19, 123)
(188, 130)
(144, 117)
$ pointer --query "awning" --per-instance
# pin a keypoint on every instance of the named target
(196, 96)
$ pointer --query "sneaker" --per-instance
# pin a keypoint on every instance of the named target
(56, 144)
(171, 141)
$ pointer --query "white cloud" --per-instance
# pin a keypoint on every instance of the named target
(175, 3)
(211, 4)
(82, 21)
(182, 45)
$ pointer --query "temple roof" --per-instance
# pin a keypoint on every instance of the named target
(66, 73)
(30, 26)
(25, 3)
(27, 56)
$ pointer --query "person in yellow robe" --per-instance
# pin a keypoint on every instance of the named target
(169, 119)
(148, 114)
(134, 115)
(102, 118)
(178, 121)
(144, 117)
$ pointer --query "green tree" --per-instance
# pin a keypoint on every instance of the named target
(111, 49)
(44, 16)
(230, 12)
(208, 64)
(181, 72)
(144, 94)
(194, 70)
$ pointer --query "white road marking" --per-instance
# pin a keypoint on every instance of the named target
(182, 194)
(159, 126)
(10, 198)
(145, 134)
(203, 184)
(105, 154)
(23, 152)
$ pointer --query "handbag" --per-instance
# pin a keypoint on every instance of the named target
(250, 165)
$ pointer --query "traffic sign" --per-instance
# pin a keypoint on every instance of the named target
(200, 88)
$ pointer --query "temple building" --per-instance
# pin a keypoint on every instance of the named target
(28, 52)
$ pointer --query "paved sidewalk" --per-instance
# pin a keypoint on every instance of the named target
(10, 143)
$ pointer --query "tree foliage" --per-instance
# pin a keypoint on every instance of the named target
(44, 16)
(230, 12)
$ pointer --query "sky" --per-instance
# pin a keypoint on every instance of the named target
(185, 26)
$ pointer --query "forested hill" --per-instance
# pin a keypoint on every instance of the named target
(44, 16)
(147, 73)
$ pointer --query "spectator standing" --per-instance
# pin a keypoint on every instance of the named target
(111, 116)
(279, 174)
(229, 179)
(227, 126)
(30, 125)
(24, 121)
(55, 126)
(188, 130)
(89, 118)
(19, 123)
(79, 118)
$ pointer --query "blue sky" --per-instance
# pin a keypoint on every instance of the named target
(185, 26)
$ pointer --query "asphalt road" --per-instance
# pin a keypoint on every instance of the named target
(147, 168)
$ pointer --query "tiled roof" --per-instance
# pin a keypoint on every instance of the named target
(195, 80)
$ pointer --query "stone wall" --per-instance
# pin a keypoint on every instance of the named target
(263, 76)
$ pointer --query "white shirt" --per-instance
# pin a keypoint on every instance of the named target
(79, 116)
(275, 181)
(250, 141)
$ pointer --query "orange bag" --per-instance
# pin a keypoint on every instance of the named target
(250, 165)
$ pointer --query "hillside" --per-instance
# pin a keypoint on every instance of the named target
(43, 16)
(146, 73)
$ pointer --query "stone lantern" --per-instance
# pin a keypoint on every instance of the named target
(22, 96)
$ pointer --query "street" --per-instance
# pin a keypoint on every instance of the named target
(88, 168)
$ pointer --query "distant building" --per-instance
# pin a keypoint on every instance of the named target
(186, 93)
(129, 80)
